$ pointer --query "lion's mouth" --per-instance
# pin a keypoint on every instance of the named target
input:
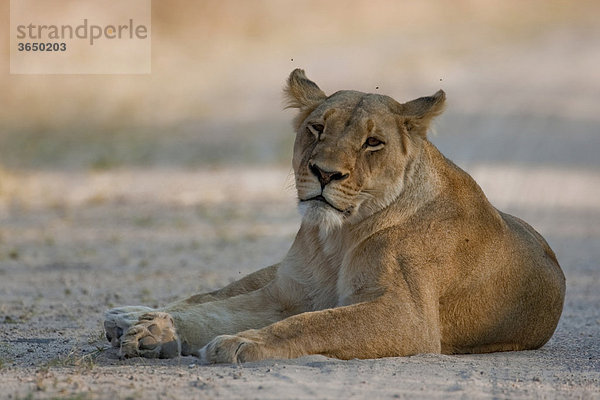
(322, 199)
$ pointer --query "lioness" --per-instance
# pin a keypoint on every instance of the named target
(399, 252)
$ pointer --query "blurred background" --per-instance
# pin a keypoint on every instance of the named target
(120, 189)
(214, 94)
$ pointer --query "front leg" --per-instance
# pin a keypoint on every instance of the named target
(185, 328)
(118, 320)
(380, 328)
(247, 284)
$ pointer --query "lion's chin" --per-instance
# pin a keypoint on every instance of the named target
(318, 213)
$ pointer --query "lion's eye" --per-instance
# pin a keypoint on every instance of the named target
(315, 129)
(373, 142)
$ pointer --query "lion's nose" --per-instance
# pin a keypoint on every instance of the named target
(325, 177)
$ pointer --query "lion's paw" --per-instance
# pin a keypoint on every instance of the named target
(118, 320)
(153, 336)
(232, 349)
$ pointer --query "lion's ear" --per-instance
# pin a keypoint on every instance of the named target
(418, 113)
(301, 92)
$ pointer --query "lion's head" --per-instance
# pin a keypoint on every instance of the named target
(353, 151)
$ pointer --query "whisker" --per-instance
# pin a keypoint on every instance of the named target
(290, 183)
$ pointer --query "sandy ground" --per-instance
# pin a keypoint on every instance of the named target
(73, 244)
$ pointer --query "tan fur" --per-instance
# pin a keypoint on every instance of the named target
(401, 254)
